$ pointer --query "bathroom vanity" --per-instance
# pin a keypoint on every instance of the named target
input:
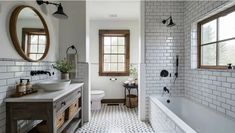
(60, 109)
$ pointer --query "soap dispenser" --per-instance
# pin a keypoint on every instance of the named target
(21, 88)
(28, 86)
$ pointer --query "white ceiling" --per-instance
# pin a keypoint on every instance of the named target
(103, 10)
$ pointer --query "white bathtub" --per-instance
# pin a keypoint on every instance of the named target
(182, 115)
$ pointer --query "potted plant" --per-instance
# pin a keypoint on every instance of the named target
(133, 74)
(64, 67)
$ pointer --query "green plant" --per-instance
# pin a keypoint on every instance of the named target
(133, 72)
(63, 66)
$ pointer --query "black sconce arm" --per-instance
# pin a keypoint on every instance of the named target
(40, 2)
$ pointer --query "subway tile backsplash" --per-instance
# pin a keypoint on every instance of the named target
(10, 72)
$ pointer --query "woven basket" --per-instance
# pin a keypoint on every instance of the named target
(133, 100)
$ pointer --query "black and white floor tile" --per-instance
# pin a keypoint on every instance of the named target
(115, 119)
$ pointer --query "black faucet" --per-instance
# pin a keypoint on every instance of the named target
(39, 72)
(166, 90)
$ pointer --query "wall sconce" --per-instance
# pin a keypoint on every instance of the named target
(170, 24)
(59, 13)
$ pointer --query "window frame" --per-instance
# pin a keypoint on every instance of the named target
(102, 34)
(199, 36)
(26, 32)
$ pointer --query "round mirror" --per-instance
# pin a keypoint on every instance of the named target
(29, 33)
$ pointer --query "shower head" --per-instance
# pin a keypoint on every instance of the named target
(170, 24)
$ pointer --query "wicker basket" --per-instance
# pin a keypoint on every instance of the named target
(73, 108)
(133, 100)
(60, 120)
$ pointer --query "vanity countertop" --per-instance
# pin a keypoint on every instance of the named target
(42, 96)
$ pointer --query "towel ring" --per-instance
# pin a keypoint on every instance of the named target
(71, 47)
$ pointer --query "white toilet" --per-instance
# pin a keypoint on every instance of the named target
(96, 97)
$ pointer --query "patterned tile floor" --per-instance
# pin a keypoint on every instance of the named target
(115, 119)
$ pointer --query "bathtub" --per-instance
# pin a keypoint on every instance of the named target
(182, 115)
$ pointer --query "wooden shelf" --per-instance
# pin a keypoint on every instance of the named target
(67, 122)
(72, 126)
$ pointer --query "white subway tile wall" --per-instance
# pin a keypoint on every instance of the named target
(212, 88)
(162, 45)
(10, 72)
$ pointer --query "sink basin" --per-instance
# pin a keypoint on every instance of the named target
(54, 85)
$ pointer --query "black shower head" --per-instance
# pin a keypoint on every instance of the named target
(170, 24)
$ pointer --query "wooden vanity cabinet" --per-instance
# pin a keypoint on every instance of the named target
(58, 109)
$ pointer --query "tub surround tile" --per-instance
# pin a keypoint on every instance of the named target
(162, 46)
(198, 82)
(213, 88)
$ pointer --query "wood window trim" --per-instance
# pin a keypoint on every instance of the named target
(126, 33)
(199, 45)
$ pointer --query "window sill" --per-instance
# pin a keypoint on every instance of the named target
(215, 69)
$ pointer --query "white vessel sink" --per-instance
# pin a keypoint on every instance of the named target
(54, 85)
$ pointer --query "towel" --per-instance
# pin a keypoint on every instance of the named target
(73, 58)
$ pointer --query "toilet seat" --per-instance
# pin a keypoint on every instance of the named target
(96, 97)
(97, 92)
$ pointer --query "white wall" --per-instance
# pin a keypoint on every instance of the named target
(7, 49)
(73, 30)
(113, 89)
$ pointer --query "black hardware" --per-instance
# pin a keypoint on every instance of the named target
(177, 66)
(166, 90)
(21, 80)
(230, 66)
(164, 73)
(40, 72)
(63, 103)
(72, 47)
(59, 13)
(168, 100)
(113, 79)
(170, 23)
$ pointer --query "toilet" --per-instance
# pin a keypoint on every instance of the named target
(96, 97)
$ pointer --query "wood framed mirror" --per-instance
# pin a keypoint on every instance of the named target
(29, 33)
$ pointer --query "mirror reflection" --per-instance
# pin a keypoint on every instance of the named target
(31, 34)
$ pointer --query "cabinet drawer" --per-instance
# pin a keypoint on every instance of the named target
(72, 109)
(66, 101)
(60, 120)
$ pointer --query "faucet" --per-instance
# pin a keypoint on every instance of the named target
(165, 90)
(47, 72)
(40, 72)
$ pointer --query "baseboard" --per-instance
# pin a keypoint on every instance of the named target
(112, 100)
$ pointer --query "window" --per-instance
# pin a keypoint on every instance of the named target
(216, 40)
(114, 52)
(34, 42)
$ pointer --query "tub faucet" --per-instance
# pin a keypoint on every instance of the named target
(165, 90)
